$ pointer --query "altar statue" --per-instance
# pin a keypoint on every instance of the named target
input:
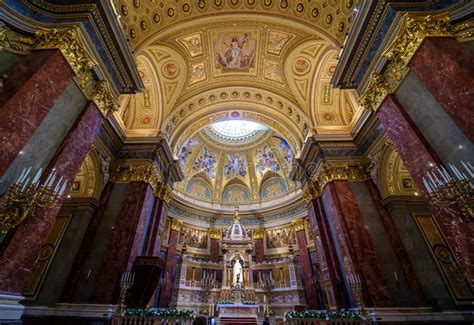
(237, 272)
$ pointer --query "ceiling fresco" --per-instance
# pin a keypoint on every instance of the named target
(229, 166)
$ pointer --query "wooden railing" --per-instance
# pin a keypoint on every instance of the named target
(150, 320)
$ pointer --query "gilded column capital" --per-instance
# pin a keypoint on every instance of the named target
(215, 233)
(144, 172)
(298, 224)
(176, 224)
(311, 191)
(69, 42)
(258, 233)
(413, 30)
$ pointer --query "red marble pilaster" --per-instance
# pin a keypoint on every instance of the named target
(168, 281)
(127, 241)
(329, 269)
(310, 289)
(417, 157)
(33, 86)
(24, 248)
(398, 247)
(259, 251)
(355, 244)
(446, 68)
(214, 248)
(154, 235)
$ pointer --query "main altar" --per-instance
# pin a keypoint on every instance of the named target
(236, 288)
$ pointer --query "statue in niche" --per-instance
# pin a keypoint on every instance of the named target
(237, 272)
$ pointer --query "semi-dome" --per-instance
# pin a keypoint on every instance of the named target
(236, 161)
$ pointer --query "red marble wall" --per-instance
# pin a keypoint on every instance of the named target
(259, 250)
(310, 290)
(417, 155)
(127, 241)
(398, 247)
(23, 250)
(153, 239)
(214, 248)
(168, 280)
(33, 86)
(330, 271)
(446, 68)
(355, 244)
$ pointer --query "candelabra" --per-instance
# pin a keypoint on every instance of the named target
(268, 286)
(26, 195)
(453, 190)
(126, 283)
(356, 286)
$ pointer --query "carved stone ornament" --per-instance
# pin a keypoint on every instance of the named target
(298, 224)
(215, 233)
(258, 233)
(413, 30)
(176, 224)
(69, 42)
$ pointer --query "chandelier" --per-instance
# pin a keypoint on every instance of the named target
(453, 189)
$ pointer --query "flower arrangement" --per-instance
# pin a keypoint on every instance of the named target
(324, 315)
(159, 312)
(225, 302)
(248, 302)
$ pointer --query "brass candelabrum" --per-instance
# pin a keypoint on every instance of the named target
(356, 286)
(126, 282)
(453, 189)
(26, 195)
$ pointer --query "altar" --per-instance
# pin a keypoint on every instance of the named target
(237, 313)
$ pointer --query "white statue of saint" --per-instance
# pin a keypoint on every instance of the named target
(237, 272)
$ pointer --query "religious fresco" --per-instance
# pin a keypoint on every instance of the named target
(266, 161)
(278, 238)
(284, 148)
(193, 237)
(186, 150)
(234, 51)
(198, 189)
(276, 41)
(193, 44)
(235, 194)
(236, 165)
(207, 162)
(273, 188)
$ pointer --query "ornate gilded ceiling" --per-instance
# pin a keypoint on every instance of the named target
(272, 61)
(225, 166)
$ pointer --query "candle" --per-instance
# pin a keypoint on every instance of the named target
(51, 181)
(427, 185)
(446, 173)
(442, 174)
(21, 176)
(26, 184)
(63, 188)
(396, 277)
(58, 184)
(37, 176)
(467, 169)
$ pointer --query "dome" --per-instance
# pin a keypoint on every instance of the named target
(234, 162)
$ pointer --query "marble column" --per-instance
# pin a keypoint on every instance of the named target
(357, 254)
(259, 250)
(413, 282)
(155, 229)
(418, 158)
(214, 250)
(310, 289)
(446, 68)
(33, 86)
(330, 271)
(168, 280)
(127, 241)
(24, 247)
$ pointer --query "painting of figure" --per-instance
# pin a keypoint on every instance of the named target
(235, 194)
(236, 165)
(186, 150)
(285, 149)
(278, 238)
(266, 160)
(207, 162)
(234, 51)
(274, 187)
(194, 238)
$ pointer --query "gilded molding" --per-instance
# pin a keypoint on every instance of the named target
(258, 233)
(69, 42)
(215, 233)
(147, 173)
(298, 224)
(413, 31)
(311, 191)
(176, 224)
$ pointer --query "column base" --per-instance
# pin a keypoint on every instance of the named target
(11, 309)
